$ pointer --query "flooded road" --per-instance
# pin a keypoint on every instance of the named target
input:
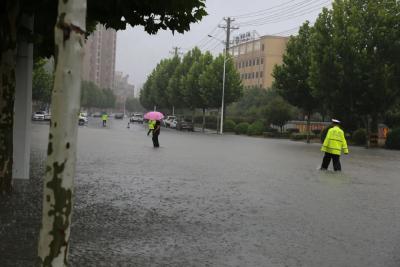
(210, 200)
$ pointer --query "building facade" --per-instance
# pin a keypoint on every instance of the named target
(122, 89)
(99, 59)
(255, 58)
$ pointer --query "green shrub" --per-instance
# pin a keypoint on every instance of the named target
(293, 130)
(256, 128)
(270, 134)
(359, 137)
(229, 126)
(393, 139)
(316, 131)
(241, 128)
(324, 132)
(238, 120)
(271, 130)
(301, 136)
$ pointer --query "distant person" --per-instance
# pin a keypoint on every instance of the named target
(156, 133)
(151, 126)
(104, 118)
(333, 145)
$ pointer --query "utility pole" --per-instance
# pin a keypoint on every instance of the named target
(228, 28)
(176, 51)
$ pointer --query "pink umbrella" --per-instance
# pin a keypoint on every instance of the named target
(154, 115)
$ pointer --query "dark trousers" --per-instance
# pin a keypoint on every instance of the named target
(327, 160)
(104, 123)
(155, 140)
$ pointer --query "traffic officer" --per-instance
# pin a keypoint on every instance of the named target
(104, 118)
(151, 126)
(333, 145)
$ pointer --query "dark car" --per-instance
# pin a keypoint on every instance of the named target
(119, 116)
(184, 125)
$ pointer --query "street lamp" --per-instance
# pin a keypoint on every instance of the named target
(223, 86)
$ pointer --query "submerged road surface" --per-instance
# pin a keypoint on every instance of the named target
(210, 200)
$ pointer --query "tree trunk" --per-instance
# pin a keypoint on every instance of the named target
(60, 165)
(204, 120)
(308, 127)
(8, 64)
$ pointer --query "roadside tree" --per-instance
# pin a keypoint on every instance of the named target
(42, 83)
(278, 112)
(291, 78)
(69, 34)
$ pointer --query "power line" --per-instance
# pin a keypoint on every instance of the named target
(212, 41)
(288, 13)
(203, 40)
(282, 10)
(295, 29)
(284, 18)
(261, 11)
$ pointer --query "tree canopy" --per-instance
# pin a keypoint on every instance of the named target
(153, 15)
(193, 82)
(349, 61)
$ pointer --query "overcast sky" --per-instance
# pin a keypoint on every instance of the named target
(138, 52)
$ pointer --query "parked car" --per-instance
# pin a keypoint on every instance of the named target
(38, 116)
(184, 125)
(96, 115)
(173, 123)
(169, 120)
(137, 117)
(47, 116)
(119, 116)
(82, 119)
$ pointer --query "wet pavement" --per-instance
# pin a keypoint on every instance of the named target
(210, 200)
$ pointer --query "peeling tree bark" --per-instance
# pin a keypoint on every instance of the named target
(60, 165)
(8, 51)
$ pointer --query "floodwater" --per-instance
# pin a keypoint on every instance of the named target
(210, 200)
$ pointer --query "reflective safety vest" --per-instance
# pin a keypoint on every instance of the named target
(151, 124)
(335, 142)
(104, 117)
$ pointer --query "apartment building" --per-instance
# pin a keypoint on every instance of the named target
(99, 59)
(255, 58)
(123, 89)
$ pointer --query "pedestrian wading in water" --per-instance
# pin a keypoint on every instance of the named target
(333, 145)
(156, 133)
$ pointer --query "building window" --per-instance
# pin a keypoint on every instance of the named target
(257, 74)
(261, 74)
(262, 60)
(247, 63)
(254, 62)
(262, 47)
(258, 61)
(252, 75)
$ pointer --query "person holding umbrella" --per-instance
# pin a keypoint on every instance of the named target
(157, 117)
(333, 145)
(156, 133)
